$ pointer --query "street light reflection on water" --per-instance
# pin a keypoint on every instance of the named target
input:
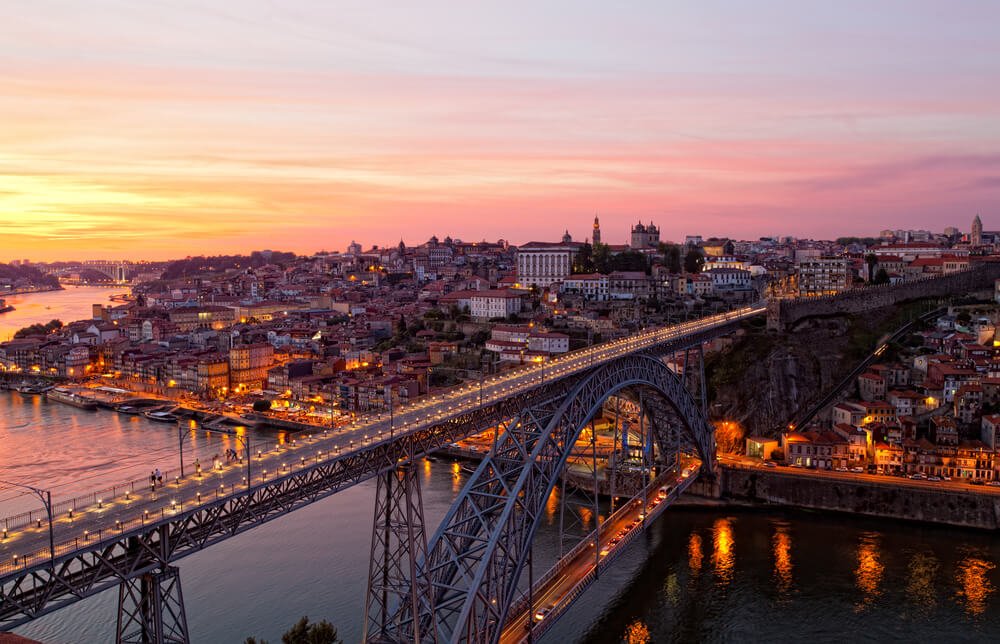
(868, 574)
(723, 554)
(782, 547)
(974, 587)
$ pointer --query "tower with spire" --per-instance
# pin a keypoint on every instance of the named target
(597, 231)
(976, 238)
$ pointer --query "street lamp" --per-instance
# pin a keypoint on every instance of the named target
(45, 496)
(244, 440)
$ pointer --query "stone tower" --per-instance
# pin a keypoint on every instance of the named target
(597, 231)
(976, 238)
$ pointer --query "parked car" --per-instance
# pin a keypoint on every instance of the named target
(993, 483)
(842, 469)
(770, 464)
(918, 477)
(858, 470)
(934, 478)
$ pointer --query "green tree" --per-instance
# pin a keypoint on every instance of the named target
(39, 329)
(693, 261)
(304, 632)
(872, 262)
(671, 256)
(584, 260)
(602, 259)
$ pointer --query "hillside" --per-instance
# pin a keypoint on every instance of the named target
(766, 377)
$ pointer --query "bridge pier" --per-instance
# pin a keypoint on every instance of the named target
(399, 544)
(151, 609)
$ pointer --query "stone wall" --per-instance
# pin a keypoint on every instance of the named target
(972, 509)
(783, 314)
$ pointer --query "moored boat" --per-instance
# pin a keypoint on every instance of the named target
(67, 397)
(161, 416)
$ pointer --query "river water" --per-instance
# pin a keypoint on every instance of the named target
(697, 575)
(73, 303)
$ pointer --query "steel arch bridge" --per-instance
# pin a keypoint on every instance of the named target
(466, 580)
(132, 541)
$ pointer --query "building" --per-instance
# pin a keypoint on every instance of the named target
(645, 236)
(823, 276)
(593, 287)
(542, 263)
(248, 365)
(496, 303)
(976, 238)
(728, 279)
(597, 231)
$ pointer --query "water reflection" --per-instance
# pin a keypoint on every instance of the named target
(672, 589)
(723, 557)
(636, 633)
(974, 587)
(552, 504)
(781, 545)
(695, 556)
(868, 574)
(921, 571)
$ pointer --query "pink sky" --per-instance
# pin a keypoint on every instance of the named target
(165, 129)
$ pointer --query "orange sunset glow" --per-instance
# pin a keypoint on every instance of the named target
(154, 130)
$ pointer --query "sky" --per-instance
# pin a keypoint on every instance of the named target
(161, 129)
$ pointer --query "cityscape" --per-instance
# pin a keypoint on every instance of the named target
(316, 328)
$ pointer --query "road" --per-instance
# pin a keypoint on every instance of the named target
(552, 596)
(878, 479)
(77, 525)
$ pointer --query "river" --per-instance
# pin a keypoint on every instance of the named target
(73, 303)
(697, 575)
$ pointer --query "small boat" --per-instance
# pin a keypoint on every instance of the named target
(131, 410)
(161, 416)
(4, 307)
(67, 397)
(27, 389)
(468, 469)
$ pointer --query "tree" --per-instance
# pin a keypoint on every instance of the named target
(584, 260)
(401, 326)
(671, 256)
(39, 329)
(602, 258)
(881, 277)
(261, 405)
(303, 632)
(693, 261)
(872, 262)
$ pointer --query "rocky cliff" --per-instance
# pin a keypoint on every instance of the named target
(766, 377)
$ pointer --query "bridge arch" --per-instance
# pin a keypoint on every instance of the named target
(478, 553)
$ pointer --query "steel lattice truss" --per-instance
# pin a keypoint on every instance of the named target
(152, 609)
(502, 498)
(478, 553)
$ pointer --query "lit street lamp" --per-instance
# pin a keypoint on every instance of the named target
(45, 496)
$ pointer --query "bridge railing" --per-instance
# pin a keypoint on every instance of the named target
(109, 494)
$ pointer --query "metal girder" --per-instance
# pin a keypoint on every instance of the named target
(480, 549)
(398, 543)
(96, 564)
(151, 609)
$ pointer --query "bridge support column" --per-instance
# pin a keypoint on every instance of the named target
(399, 545)
(151, 609)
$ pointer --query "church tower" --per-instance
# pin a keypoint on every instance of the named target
(597, 231)
(976, 238)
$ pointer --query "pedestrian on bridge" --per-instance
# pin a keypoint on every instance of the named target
(152, 481)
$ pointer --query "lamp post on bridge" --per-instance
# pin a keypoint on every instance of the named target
(45, 496)
(244, 440)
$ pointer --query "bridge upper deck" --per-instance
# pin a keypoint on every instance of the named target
(194, 512)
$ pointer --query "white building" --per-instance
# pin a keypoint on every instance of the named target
(548, 342)
(499, 303)
(542, 263)
(592, 286)
(729, 279)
